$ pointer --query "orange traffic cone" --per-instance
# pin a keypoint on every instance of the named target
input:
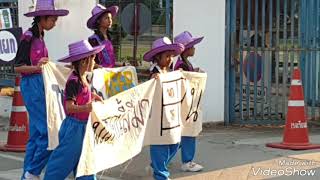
(296, 136)
(19, 125)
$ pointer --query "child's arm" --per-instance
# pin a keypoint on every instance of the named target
(31, 69)
(73, 108)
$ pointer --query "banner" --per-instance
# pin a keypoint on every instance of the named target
(120, 126)
(158, 111)
(191, 113)
(166, 110)
(106, 82)
(117, 129)
(54, 77)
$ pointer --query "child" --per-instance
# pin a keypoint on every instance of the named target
(188, 144)
(32, 53)
(77, 105)
(161, 56)
(100, 22)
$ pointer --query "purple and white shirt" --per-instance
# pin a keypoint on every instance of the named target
(106, 57)
(79, 93)
(30, 51)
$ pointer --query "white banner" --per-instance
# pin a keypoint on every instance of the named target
(155, 112)
(55, 77)
(191, 113)
(120, 126)
(166, 110)
(117, 129)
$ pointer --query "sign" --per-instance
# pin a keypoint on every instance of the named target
(108, 82)
(9, 40)
(251, 61)
(5, 19)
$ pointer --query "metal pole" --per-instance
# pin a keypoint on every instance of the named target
(168, 21)
(135, 35)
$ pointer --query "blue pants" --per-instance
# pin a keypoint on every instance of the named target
(188, 148)
(37, 155)
(161, 156)
(64, 159)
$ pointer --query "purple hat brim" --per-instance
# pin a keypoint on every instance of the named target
(58, 12)
(193, 42)
(177, 48)
(92, 20)
(77, 57)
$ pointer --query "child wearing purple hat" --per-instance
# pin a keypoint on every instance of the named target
(161, 56)
(32, 53)
(100, 22)
(77, 105)
(188, 144)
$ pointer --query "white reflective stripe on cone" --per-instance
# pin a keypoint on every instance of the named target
(296, 103)
(19, 109)
(17, 89)
(296, 82)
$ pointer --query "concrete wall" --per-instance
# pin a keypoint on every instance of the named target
(68, 29)
(206, 18)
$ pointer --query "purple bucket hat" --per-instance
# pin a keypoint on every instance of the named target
(46, 8)
(161, 45)
(80, 50)
(97, 11)
(187, 40)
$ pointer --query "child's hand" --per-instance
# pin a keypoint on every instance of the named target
(43, 60)
(96, 97)
(155, 76)
(198, 70)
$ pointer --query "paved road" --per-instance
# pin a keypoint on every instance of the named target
(225, 152)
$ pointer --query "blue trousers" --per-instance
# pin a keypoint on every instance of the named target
(37, 155)
(64, 159)
(161, 156)
(188, 148)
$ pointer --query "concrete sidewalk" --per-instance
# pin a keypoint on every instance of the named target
(225, 152)
(235, 153)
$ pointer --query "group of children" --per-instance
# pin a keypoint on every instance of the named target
(84, 56)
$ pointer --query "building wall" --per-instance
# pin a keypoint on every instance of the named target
(68, 29)
(206, 18)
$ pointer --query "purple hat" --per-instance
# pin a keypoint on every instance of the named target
(80, 50)
(187, 40)
(97, 11)
(161, 45)
(46, 8)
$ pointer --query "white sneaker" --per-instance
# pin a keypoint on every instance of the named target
(29, 176)
(191, 167)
